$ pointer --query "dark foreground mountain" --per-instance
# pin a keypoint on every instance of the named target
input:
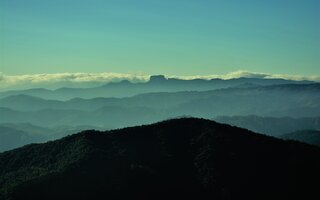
(175, 159)
(307, 136)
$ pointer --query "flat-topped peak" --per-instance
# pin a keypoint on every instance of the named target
(157, 78)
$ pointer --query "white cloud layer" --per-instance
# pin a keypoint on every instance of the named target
(52, 81)
(57, 80)
(247, 74)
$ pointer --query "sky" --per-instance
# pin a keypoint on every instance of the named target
(172, 37)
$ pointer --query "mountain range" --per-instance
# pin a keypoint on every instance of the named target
(298, 100)
(158, 83)
(269, 106)
(273, 126)
(14, 135)
(306, 136)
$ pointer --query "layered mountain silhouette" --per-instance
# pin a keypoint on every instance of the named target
(298, 100)
(273, 104)
(174, 159)
(158, 83)
(13, 138)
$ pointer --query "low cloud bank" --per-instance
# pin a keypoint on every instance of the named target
(52, 81)
(247, 74)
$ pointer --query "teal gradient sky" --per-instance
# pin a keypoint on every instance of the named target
(177, 37)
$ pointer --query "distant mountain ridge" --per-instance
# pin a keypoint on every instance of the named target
(13, 138)
(156, 84)
(14, 135)
(276, 104)
(274, 126)
(180, 158)
(306, 136)
(26, 103)
(295, 100)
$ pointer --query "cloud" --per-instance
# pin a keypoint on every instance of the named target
(247, 74)
(231, 75)
(56, 80)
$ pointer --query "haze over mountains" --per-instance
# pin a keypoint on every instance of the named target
(161, 98)
(274, 126)
(15, 135)
(177, 158)
(306, 136)
(157, 83)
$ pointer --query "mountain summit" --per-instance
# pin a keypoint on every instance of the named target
(157, 78)
(180, 158)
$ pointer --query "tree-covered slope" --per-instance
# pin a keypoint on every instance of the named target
(180, 158)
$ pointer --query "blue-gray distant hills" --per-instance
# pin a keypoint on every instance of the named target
(14, 135)
(280, 108)
(274, 126)
(295, 100)
(155, 84)
(306, 136)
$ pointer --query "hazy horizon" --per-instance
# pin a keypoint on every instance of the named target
(58, 80)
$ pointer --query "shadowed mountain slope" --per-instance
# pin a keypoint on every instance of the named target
(179, 158)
